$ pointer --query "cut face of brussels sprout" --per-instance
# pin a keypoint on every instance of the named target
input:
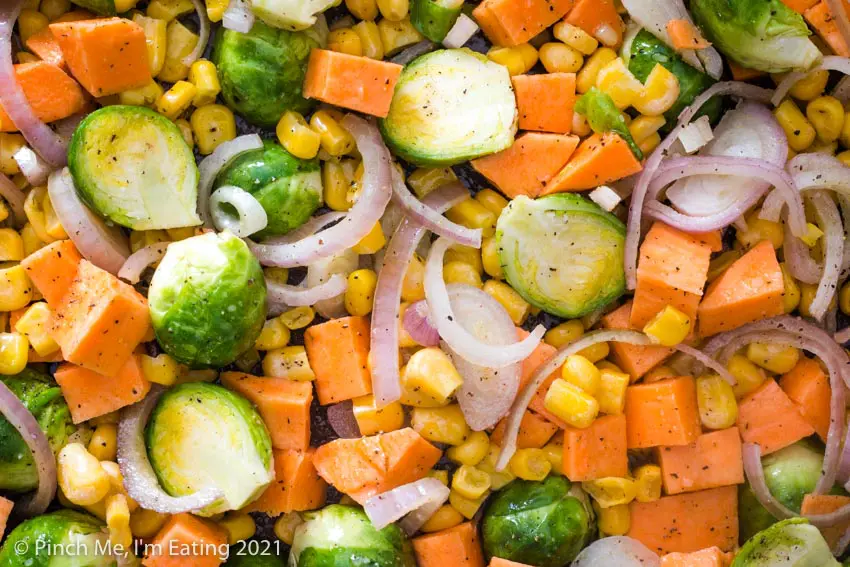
(292, 15)
(344, 535)
(207, 300)
(451, 106)
(37, 542)
(562, 253)
(789, 543)
(604, 116)
(132, 166)
(288, 188)
(538, 523)
(202, 435)
(758, 34)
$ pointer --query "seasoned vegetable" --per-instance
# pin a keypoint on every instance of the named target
(197, 427)
(85, 535)
(43, 398)
(539, 523)
(133, 167)
(343, 535)
(288, 188)
(604, 116)
(102, 7)
(451, 106)
(434, 18)
(261, 72)
(758, 34)
(792, 543)
(292, 15)
(207, 300)
(562, 253)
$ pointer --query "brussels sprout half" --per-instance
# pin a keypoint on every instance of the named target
(789, 543)
(43, 398)
(39, 542)
(292, 15)
(562, 253)
(288, 188)
(344, 535)
(604, 116)
(101, 7)
(201, 435)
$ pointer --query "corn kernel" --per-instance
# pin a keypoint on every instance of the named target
(363, 9)
(441, 475)
(274, 335)
(212, 125)
(758, 230)
(297, 137)
(413, 286)
(429, 379)
(394, 10)
(370, 39)
(155, 40)
(336, 182)
(518, 60)
(498, 479)
(472, 451)
(117, 515)
(648, 483)
(444, 518)
(472, 214)
(397, 35)
(564, 333)
(659, 94)
(643, 127)
(139, 239)
(179, 42)
(554, 451)
(360, 294)
(146, 523)
(571, 404)
(373, 420)
(716, 399)
(596, 352)
(462, 273)
(440, 425)
(811, 86)
(575, 37)
(15, 288)
(845, 137)
(774, 358)
(747, 375)
(169, 9)
(334, 139)
(239, 527)
(807, 296)
(813, 234)
(9, 145)
(80, 476)
(579, 371)
(530, 464)
(517, 307)
(426, 179)
(826, 114)
(560, 58)
(470, 483)
(288, 362)
(204, 76)
(465, 254)
(297, 317)
(176, 100)
(104, 442)
(587, 76)
(161, 369)
(668, 327)
(465, 506)
(613, 521)
(11, 245)
(142, 96)
(30, 22)
(285, 526)
(490, 259)
(612, 391)
(611, 491)
(799, 131)
(491, 200)
(345, 40)
(33, 325)
(615, 80)
(791, 292)
(216, 9)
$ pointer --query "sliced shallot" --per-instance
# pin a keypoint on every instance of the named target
(829, 63)
(342, 420)
(388, 507)
(210, 167)
(238, 16)
(297, 296)
(251, 217)
(35, 169)
(418, 324)
(617, 551)
(141, 259)
(15, 197)
(203, 33)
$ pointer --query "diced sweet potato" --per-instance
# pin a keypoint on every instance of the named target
(634, 359)
(713, 460)
(662, 413)
(709, 557)
(534, 431)
(600, 159)
(338, 351)
(46, 47)
(799, 6)
(820, 18)
(457, 546)
(187, 541)
(511, 22)
(52, 94)
(297, 485)
(52, 269)
(597, 451)
(767, 416)
(545, 102)
(597, 16)
(808, 386)
(5, 510)
(814, 504)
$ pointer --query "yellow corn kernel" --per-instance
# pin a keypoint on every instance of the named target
(141, 238)
(9, 145)
(394, 10)
(426, 179)
(169, 9)
(273, 336)
(647, 483)
(444, 518)
(613, 521)
(297, 137)
(397, 35)
(297, 317)
(142, 96)
(644, 127)
(31, 240)
(4, 209)
(490, 259)
(579, 371)
(470, 482)
(615, 80)
(34, 210)
(413, 286)
(472, 451)
(491, 200)
(611, 491)
(461, 272)
(104, 442)
(52, 224)
(30, 22)
(564, 333)
(612, 391)
(518, 60)
(288, 362)
(54, 8)
(607, 365)
(80, 476)
(517, 307)
(216, 9)
(345, 40)
(204, 76)
(33, 324)
(811, 86)
(440, 425)
(845, 134)
(155, 40)
(554, 451)
(441, 475)
(571, 404)
(180, 41)
(747, 375)
(370, 39)
(799, 131)
(118, 521)
(360, 294)
(15, 288)
(596, 352)
(530, 464)
(277, 275)
(333, 137)
(372, 242)
(498, 479)
(176, 99)
(404, 338)
(161, 369)
(13, 353)
(760, 229)
(146, 523)
(844, 157)
(826, 114)
(285, 526)
(659, 93)
(363, 9)
(813, 234)
(575, 37)
(336, 183)
(844, 299)
(587, 76)
(791, 291)
(648, 144)
(466, 255)
(560, 58)
(807, 296)
(11, 245)
(668, 327)
(774, 358)
(373, 420)
(239, 527)
(716, 400)
(472, 214)
(429, 379)
(212, 125)
(467, 507)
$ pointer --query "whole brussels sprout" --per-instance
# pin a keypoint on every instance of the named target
(539, 523)
(789, 543)
(262, 71)
(43, 398)
(344, 535)
(41, 542)
(208, 300)
(196, 428)
(288, 188)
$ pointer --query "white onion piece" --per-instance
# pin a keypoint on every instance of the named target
(141, 259)
(487, 393)
(211, 165)
(15, 197)
(418, 324)
(297, 296)
(463, 30)
(833, 244)
(417, 518)
(385, 313)
(35, 169)
(388, 507)
(799, 260)
(462, 342)
(203, 33)
(370, 205)
(544, 370)
(102, 245)
(251, 217)
(238, 16)
(829, 63)
(696, 135)
(414, 51)
(17, 414)
(342, 420)
(617, 551)
(139, 477)
(605, 197)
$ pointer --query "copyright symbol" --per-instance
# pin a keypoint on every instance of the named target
(21, 547)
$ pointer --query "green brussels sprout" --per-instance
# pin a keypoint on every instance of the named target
(646, 51)
(539, 523)
(344, 535)
(101, 7)
(196, 428)
(789, 543)
(64, 538)
(292, 15)
(288, 188)
(604, 116)
(435, 18)
(262, 71)
(43, 398)
(579, 270)
(208, 300)
(254, 560)
(759, 34)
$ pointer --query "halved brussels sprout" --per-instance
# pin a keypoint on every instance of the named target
(434, 18)
(43, 398)
(539, 523)
(789, 543)
(288, 188)
(102, 7)
(292, 15)
(200, 435)
(38, 541)
(344, 535)
(208, 300)
(604, 116)
(562, 253)
(451, 106)
(132, 166)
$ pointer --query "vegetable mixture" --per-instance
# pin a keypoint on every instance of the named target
(424, 283)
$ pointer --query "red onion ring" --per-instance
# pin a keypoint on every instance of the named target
(828, 63)
(35, 169)
(15, 197)
(708, 362)
(417, 518)
(800, 263)
(418, 324)
(141, 259)
(139, 477)
(312, 226)
(284, 296)
(342, 420)
(361, 218)
(829, 218)
(211, 165)
(388, 507)
(203, 33)
(843, 474)
(23, 421)
(385, 313)
(13, 100)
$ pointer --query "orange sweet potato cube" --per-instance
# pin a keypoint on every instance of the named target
(808, 386)
(634, 359)
(662, 413)
(708, 557)
(597, 451)
(187, 541)
(534, 431)
(338, 351)
(457, 546)
(297, 485)
(52, 269)
(713, 460)
(511, 22)
(815, 504)
(768, 417)
(51, 93)
(599, 159)
(5, 511)
(545, 102)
